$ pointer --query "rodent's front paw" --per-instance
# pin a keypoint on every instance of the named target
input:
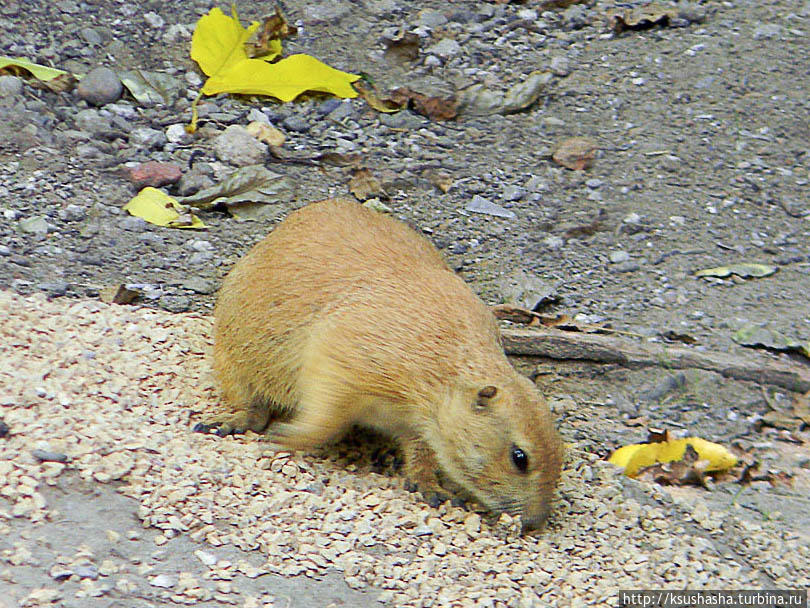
(221, 429)
(432, 495)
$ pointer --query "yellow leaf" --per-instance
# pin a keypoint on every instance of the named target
(41, 72)
(157, 207)
(637, 456)
(284, 80)
(219, 41)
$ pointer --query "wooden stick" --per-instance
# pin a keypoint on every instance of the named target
(556, 344)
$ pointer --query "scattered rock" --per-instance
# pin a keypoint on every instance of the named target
(155, 174)
(35, 225)
(10, 86)
(237, 146)
(100, 86)
(479, 204)
(147, 138)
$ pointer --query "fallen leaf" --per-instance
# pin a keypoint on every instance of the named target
(157, 207)
(575, 153)
(640, 18)
(402, 49)
(435, 108)
(268, 37)
(60, 84)
(247, 192)
(151, 88)
(218, 41)
(117, 294)
(266, 133)
(363, 185)
(377, 102)
(637, 456)
(478, 100)
(741, 270)
(560, 3)
(762, 337)
(218, 46)
(285, 80)
(440, 179)
(674, 336)
(589, 229)
(25, 68)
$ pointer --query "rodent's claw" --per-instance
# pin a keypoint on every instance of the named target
(220, 429)
(434, 499)
(458, 502)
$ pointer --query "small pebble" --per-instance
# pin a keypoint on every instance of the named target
(479, 204)
(100, 86)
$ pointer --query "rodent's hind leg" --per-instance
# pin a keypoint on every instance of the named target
(252, 418)
(421, 470)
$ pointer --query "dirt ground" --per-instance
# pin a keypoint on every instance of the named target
(703, 161)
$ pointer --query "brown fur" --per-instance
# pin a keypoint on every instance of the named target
(344, 316)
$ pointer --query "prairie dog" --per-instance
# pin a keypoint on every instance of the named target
(344, 316)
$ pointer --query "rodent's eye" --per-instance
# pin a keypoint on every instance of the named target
(520, 459)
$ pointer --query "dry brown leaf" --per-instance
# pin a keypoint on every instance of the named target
(560, 3)
(575, 153)
(377, 102)
(440, 179)
(435, 108)
(60, 84)
(273, 28)
(364, 185)
(117, 294)
(641, 18)
(689, 470)
(402, 49)
(589, 229)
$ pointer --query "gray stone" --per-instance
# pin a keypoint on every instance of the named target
(56, 288)
(554, 242)
(446, 47)
(73, 213)
(132, 223)
(402, 120)
(594, 183)
(766, 31)
(199, 285)
(154, 20)
(193, 182)
(144, 137)
(90, 36)
(296, 123)
(328, 11)
(10, 86)
(560, 66)
(479, 204)
(617, 257)
(237, 146)
(100, 86)
(430, 18)
(91, 121)
(513, 193)
(200, 257)
(177, 134)
(35, 225)
(4, 251)
(343, 110)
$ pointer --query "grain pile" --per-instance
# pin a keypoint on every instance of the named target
(117, 390)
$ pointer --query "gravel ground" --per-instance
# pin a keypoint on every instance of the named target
(703, 136)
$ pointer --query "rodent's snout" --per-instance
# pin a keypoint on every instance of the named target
(535, 521)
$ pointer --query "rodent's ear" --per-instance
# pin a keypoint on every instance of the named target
(484, 396)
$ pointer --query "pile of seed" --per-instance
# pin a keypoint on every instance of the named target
(116, 391)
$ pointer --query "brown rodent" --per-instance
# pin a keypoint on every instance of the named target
(344, 316)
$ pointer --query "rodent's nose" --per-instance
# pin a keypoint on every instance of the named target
(535, 521)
